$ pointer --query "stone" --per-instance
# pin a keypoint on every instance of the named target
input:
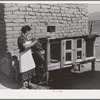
(8, 28)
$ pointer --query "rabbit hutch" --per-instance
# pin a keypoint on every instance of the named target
(69, 51)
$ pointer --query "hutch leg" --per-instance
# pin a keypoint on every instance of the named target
(47, 78)
(79, 67)
(47, 61)
(93, 67)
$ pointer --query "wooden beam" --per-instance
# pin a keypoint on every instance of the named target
(47, 60)
(93, 67)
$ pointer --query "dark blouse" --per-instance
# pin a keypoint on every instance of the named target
(21, 40)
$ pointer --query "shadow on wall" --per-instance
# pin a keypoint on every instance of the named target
(5, 55)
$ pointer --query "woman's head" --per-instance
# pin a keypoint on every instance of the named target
(25, 29)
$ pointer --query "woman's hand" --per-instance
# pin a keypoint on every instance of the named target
(33, 42)
(29, 45)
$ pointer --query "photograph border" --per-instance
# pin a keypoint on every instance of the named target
(50, 94)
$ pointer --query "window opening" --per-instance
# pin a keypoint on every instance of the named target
(79, 54)
(68, 45)
(51, 29)
(68, 56)
(79, 43)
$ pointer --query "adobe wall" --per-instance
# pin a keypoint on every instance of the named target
(69, 19)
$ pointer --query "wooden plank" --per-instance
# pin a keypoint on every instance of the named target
(54, 64)
(84, 50)
(68, 51)
(54, 67)
(47, 60)
(74, 50)
(48, 53)
(93, 67)
(94, 53)
(90, 59)
(62, 53)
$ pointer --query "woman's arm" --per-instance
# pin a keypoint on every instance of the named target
(26, 46)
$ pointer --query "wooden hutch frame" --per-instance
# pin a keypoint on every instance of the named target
(77, 52)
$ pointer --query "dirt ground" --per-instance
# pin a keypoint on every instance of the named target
(85, 80)
(66, 80)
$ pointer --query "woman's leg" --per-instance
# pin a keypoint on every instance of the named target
(25, 80)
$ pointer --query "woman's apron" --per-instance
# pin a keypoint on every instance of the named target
(26, 61)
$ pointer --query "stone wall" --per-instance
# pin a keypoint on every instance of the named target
(69, 19)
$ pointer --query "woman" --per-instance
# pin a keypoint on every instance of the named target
(27, 69)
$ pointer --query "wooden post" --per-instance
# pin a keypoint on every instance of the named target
(47, 60)
(93, 67)
(79, 67)
(74, 50)
(62, 60)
